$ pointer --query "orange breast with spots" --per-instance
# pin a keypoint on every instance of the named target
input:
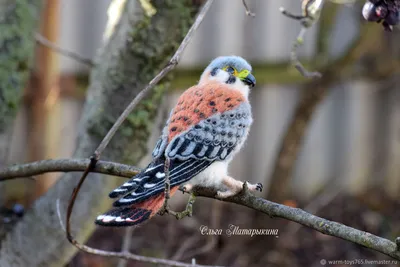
(200, 102)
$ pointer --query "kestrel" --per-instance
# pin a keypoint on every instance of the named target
(206, 128)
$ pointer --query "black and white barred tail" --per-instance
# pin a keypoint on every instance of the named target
(151, 181)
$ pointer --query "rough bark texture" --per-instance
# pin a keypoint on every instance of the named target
(244, 198)
(19, 19)
(136, 50)
(302, 217)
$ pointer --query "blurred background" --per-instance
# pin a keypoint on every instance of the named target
(330, 146)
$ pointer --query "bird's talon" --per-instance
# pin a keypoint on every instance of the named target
(187, 188)
(183, 189)
(259, 187)
(220, 195)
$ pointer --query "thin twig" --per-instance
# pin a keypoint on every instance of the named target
(126, 255)
(245, 198)
(47, 43)
(248, 11)
(170, 66)
(130, 256)
(307, 19)
(96, 155)
(126, 245)
(290, 15)
(291, 142)
(165, 208)
(212, 240)
(296, 62)
(71, 202)
(185, 245)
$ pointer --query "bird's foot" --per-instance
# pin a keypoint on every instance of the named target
(254, 187)
(187, 188)
(244, 187)
(188, 212)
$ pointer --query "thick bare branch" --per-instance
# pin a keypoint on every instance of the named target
(302, 217)
(245, 198)
(65, 165)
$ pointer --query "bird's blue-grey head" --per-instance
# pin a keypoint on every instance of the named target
(230, 69)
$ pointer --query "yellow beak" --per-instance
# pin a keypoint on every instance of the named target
(246, 77)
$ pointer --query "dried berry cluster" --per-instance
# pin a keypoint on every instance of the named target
(385, 11)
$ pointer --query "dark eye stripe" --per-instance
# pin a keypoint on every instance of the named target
(214, 71)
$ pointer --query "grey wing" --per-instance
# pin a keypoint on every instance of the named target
(162, 141)
(214, 138)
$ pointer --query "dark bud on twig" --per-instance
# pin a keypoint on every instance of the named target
(373, 12)
(387, 12)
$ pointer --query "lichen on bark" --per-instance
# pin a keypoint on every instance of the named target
(142, 54)
(18, 21)
(138, 48)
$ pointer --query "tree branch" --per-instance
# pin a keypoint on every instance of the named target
(65, 165)
(125, 255)
(133, 52)
(314, 93)
(135, 102)
(126, 245)
(245, 198)
(18, 21)
(40, 39)
(170, 66)
(130, 256)
(302, 217)
(248, 11)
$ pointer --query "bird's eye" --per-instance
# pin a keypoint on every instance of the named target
(230, 70)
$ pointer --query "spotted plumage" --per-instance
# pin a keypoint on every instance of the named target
(200, 102)
(206, 128)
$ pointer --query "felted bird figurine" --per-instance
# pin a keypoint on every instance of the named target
(206, 128)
